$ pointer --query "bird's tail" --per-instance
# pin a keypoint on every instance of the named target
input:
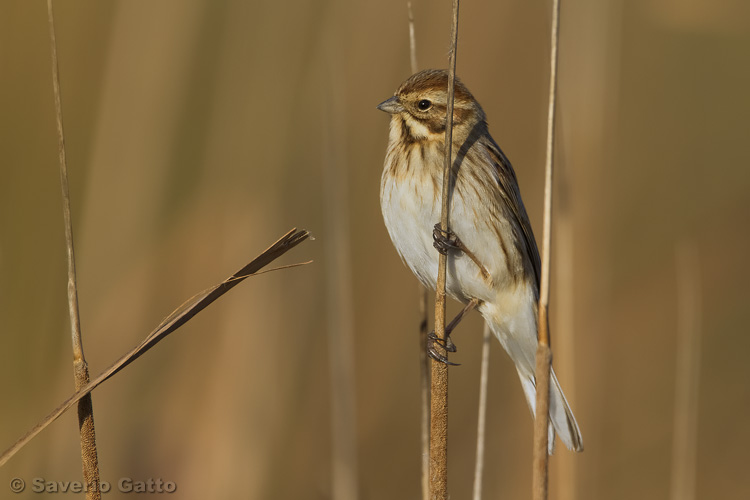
(515, 327)
(560, 414)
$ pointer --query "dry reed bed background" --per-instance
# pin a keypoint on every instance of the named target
(195, 135)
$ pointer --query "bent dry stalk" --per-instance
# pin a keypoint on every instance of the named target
(172, 322)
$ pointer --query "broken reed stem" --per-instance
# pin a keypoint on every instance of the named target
(482, 418)
(544, 354)
(439, 371)
(424, 362)
(89, 456)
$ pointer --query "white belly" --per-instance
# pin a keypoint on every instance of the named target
(410, 212)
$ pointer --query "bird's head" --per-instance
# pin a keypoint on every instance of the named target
(421, 102)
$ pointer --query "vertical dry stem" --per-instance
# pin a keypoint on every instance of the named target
(80, 368)
(424, 363)
(412, 40)
(424, 382)
(540, 476)
(685, 439)
(544, 354)
(439, 422)
(566, 467)
(439, 371)
(339, 302)
(482, 418)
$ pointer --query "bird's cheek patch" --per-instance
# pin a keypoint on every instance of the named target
(421, 130)
(460, 115)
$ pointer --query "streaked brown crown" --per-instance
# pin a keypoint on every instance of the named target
(431, 86)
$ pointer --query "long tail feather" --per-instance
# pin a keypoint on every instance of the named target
(560, 414)
(515, 328)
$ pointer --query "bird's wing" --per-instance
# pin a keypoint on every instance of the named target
(511, 197)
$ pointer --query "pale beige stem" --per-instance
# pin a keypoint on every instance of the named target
(424, 362)
(566, 484)
(340, 307)
(687, 380)
(482, 418)
(412, 40)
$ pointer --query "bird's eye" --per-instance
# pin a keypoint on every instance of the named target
(424, 105)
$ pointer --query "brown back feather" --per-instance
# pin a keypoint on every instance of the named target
(511, 197)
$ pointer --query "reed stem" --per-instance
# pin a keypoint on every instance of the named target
(89, 455)
(544, 354)
(438, 370)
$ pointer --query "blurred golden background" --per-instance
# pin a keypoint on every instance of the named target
(200, 131)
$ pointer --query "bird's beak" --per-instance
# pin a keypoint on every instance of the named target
(391, 106)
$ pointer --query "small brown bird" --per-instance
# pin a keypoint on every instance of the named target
(493, 260)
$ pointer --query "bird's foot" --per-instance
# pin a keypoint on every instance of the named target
(445, 240)
(446, 345)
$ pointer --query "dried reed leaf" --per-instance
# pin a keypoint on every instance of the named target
(176, 319)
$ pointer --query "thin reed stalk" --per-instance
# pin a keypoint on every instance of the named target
(566, 483)
(412, 40)
(424, 363)
(338, 291)
(89, 457)
(540, 474)
(424, 383)
(482, 417)
(687, 380)
(439, 371)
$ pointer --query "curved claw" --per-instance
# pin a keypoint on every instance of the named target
(445, 344)
(444, 240)
(440, 358)
(447, 240)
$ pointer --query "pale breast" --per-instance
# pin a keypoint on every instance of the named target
(408, 209)
(411, 202)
